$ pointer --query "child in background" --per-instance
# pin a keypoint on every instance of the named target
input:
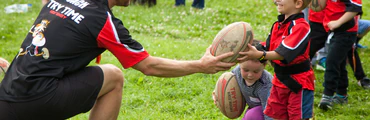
(341, 24)
(353, 56)
(287, 46)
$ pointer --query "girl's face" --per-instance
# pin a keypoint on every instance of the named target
(251, 70)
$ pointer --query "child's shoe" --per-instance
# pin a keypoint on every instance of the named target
(364, 83)
(340, 99)
(326, 102)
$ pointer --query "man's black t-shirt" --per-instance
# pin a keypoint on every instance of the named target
(64, 38)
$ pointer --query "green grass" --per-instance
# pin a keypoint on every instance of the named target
(184, 34)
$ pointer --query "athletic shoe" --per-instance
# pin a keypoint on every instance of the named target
(340, 100)
(321, 65)
(364, 83)
(326, 102)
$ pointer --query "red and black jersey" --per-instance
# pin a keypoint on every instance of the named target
(66, 37)
(317, 17)
(336, 8)
(289, 38)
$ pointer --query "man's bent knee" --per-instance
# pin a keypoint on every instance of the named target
(112, 73)
(113, 78)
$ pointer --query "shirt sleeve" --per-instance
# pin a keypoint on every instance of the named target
(117, 39)
(295, 43)
(353, 6)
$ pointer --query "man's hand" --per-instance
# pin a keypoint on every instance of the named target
(214, 97)
(163, 67)
(211, 64)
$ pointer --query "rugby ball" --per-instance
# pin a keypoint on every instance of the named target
(229, 98)
(232, 38)
(4, 65)
(318, 5)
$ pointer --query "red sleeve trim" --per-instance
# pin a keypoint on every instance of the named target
(356, 2)
(109, 39)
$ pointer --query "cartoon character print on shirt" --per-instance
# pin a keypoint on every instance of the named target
(36, 48)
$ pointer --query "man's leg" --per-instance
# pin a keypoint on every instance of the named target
(108, 104)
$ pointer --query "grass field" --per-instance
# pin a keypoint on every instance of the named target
(184, 33)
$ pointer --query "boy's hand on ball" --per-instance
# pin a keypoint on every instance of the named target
(252, 53)
(213, 64)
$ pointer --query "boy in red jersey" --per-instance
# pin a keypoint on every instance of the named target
(287, 46)
(341, 24)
